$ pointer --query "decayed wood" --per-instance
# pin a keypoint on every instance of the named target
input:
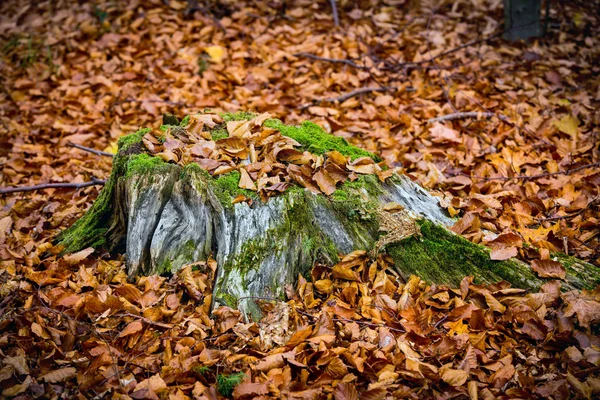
(168, 216)
(173, 221)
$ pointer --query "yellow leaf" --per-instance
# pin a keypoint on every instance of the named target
(567, 124)
(112, 147)
(453, 377)
(216, 53)
(458, 327)
(17, 96)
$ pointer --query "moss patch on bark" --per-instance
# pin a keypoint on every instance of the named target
(440, 256)
(315, 140)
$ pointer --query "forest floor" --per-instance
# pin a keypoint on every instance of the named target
(524, 164)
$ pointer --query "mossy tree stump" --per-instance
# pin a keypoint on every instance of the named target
(165, 216)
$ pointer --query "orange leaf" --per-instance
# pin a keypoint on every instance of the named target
(133, 327)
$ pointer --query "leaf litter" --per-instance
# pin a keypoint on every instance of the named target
(525, 168)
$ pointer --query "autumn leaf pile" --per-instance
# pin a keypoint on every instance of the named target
(76, 327)
(524, 165)
(268, 162)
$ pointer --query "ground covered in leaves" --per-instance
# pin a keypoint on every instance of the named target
(77, 327)
(523, 164)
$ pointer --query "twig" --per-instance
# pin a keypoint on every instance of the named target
(398, 66)
(334, 11)
(331, 60)
(90, 150)
(574, 214)
(82, 185)
(526, 177)
(463, 115)
(350, 95)
(358, 92)
(146, 320)
(369, 324)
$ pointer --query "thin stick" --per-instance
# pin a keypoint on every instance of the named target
(336, 17)
(350, 95)
(403, 64)
(526, 177)
(90, 150)
(82, 185)
(146, 320)
(331, 60)
(463, 115)
(358, 92)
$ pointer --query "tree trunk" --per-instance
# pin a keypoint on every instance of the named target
(165, 216)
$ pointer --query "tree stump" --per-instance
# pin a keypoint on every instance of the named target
(165, 216)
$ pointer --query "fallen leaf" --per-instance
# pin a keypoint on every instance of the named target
(549, 269)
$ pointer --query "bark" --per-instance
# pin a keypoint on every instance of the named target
(165, 216)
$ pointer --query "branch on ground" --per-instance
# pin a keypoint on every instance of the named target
(15, 189)
(350, 95)
(90, 150)
(470, 114)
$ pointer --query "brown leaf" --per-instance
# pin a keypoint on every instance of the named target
(60, 375)
(363, 165)
(503, 253)
(453, 377)
(76, 258)
(586, 309)
(131, 328)
(17, 389)
(440, 134)
(250, 390)
(341, 272)
(345, 391)
(245, 181)
(154, 384)
(325, 182)
(549, 269)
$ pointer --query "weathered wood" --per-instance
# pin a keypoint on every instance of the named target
(165, 216)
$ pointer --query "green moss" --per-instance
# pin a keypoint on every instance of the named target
(237, 116)
(580, 274)
(229, 299)
(91, 230)
(191, 168)
(226, 383)
(219, 133)
(144, 163)
(166, 267)
(315, 140)
(200, 369)
(358, 202)
(297, 223)
(226, 188)
(442, 257)
(127, 141)
(187, 250)
(185, 121)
